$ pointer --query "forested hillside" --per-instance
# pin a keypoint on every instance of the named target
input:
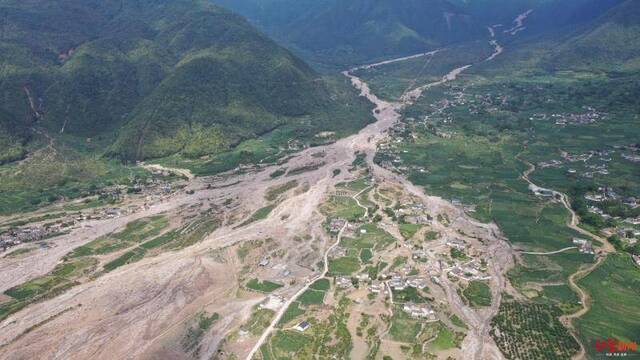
(156, 77)
(339, 32)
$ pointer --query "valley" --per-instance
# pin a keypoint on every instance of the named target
(467, 189)
(230, 200)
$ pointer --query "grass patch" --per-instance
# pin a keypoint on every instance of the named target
(409, 295)
(372, 238)
(398, 261)
(615, 291)
(278, 173)
(312, 297)
(445, 340)
(408, 230)
(265, 286)
(127, 258)
(478, 294)
(455, 320)
(19, 252)
(293, 311)
(273, 193)
(322, 285)
(304, 169)
(260, 214)
(134, 232)
(63, 277)
(431, 235)
(404, 328)
(344, 266)
(260, 319)
(343, 207)
(194, 334)
(365, 255)
(289, 342)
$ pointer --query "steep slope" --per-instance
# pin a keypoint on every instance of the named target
(612, 41)
(348, 31)
(546, 13)
(150, 77)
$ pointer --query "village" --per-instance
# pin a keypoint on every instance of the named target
(401, 258)
(109, 203)
(417, 266)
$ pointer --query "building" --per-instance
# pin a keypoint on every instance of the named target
(579, 242)
(417, 283)
(419, 310)
(455, 243)
(336, 225)
(302, 326)
(585, 246)
(419, 254)
(344, 282)
(376, 288)
(397, 283)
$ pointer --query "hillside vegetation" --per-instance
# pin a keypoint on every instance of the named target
(339, 32)
(154, 78)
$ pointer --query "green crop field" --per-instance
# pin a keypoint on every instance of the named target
(478, 294)
(262, 286)
(343, 207)
(615, 292)
(372, 238)
(404, 328)
(344, 266)
(312, 297)
(322, 285)
(273, 193)
(476, 149)
(259, 320)
(134, 232)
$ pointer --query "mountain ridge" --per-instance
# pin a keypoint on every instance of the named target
(139, 72)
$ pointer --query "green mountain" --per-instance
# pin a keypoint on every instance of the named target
(546, 13)
(147, 79)
(610, 42)
(339, 32)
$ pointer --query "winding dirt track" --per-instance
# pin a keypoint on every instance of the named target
(280, 313)
(606, 248)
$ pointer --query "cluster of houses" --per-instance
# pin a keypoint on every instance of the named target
(585, 246)
(631, 157)
(603, 194)
(630, 234)
(604, 156)
(590, 117)
(335, 225)
(25, 235)
(422, 311)
(38, 232)
(469, 272)
(399, 283)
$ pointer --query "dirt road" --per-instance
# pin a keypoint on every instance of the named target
(325, 270)
(606, 248)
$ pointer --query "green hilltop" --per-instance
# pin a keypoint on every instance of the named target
(149, 79)
(88, 86)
